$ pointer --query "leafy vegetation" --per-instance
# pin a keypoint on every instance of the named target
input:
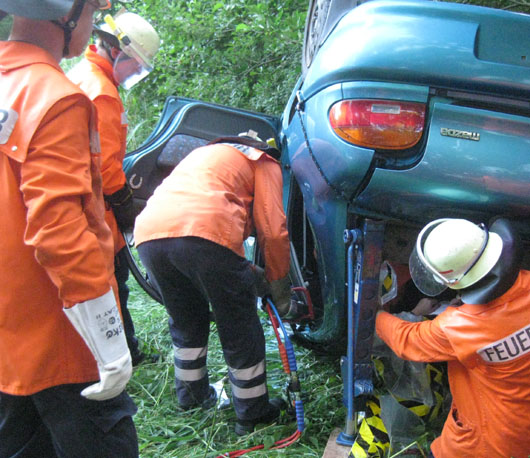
(232, 52)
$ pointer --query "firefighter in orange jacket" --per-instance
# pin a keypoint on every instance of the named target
(99, 74)
(486, 340)
(60, 327)
(190, 239)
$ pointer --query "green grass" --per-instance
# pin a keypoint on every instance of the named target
(164, 430)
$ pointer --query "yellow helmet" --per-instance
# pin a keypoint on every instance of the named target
(138, 41)
(143, 37)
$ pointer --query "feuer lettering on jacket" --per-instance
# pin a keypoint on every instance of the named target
(110, 323)
(508, 348)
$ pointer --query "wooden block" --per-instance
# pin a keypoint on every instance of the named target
(334, 450)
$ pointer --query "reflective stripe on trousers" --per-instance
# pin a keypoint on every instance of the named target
(190, 363)
(191, 273)
(248, 383)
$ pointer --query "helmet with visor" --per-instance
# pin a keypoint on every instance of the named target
(138, 41)
(453, 253)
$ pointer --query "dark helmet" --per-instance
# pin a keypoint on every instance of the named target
(52, 10)
(43, 9)
(504, 273)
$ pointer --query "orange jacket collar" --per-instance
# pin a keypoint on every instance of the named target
(92, 56)
(17, 54)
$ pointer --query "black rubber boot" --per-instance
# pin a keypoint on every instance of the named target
(276, 406)
(207, 403)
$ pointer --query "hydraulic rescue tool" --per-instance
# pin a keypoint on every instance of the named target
(364, 261)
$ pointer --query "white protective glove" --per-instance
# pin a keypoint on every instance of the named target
(98, 322)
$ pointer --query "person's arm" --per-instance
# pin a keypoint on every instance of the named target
(117, 192)
(55, 183)
(269, 219)
(424, 341)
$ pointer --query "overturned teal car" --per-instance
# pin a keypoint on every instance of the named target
(406, 111)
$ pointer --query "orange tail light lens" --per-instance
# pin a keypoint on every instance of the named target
(378, 124)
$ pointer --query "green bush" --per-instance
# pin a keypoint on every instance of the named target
(244, 54)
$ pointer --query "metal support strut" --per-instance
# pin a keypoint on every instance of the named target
(364, 258)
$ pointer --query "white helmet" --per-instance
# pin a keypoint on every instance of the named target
(453, 253)
(138, 41)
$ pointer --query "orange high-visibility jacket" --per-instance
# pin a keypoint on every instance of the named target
(56, 248)
(94, 74)
(220, 194)
(488, 352)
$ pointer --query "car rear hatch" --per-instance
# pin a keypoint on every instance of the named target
(473, 158)
(439, 44)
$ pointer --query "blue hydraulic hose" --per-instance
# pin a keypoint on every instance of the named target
(291, 358)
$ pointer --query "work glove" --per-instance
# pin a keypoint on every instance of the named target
(281, 296)
(98, 322)
(261, 285)
(121, 203)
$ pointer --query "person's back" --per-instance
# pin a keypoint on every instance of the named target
(210, 194)
(492, 344)
(209, 188)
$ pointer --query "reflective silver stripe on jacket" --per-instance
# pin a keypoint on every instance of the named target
(246, 150)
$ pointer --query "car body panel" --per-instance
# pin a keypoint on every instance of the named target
(459, 177)
(446, 56)
(467, 64)
(443, 44)
(186, 124)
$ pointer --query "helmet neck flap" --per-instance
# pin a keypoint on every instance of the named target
(504, 273)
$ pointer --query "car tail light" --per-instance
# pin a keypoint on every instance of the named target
(378, 124)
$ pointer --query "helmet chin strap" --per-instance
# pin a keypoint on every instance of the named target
(69, 26)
